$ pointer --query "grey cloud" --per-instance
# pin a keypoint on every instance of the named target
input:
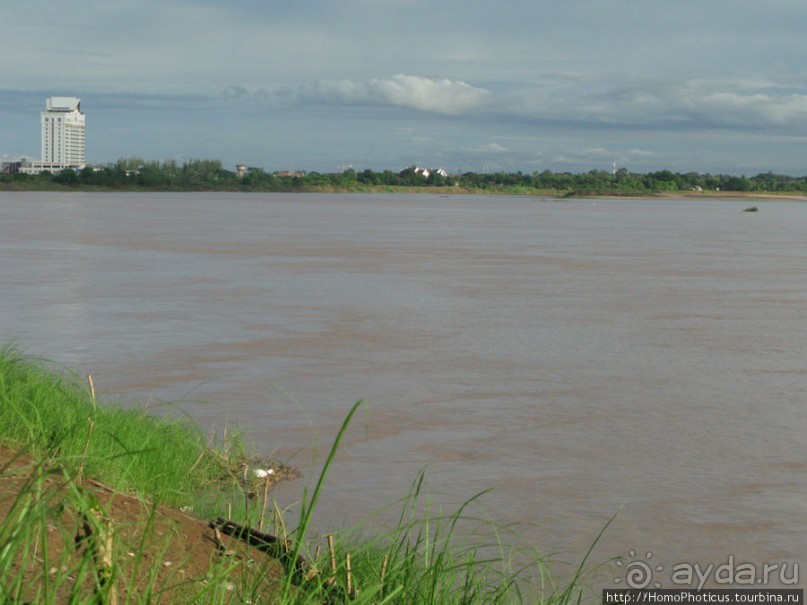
(736, 109)
(564, 100)
(661, 105)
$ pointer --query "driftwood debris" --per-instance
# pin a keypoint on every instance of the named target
(302, 569)
(275, 547)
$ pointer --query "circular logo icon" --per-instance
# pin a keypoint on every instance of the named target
(638, 573)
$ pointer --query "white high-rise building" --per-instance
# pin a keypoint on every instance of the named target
(62, 134)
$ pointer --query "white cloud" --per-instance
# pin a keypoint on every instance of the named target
(495, 148)
(485, 150)
(443, 96)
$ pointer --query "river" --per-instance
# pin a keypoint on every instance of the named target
(580, 358)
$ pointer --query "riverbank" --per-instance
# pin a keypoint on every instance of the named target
(291, 185)
(732, 195)
(80, 541)
(137, 174)
(101, 504)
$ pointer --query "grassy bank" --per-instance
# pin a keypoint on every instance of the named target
(35, 185)
(491, 190)
(64, 538)
(54, 415)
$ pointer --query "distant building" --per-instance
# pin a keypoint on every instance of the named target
(12, 167)
(426, 172)
(62, 136)
(63, 132)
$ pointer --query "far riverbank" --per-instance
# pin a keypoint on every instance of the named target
(136, 174)
(20, 186)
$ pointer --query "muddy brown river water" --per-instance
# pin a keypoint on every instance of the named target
(579, 358)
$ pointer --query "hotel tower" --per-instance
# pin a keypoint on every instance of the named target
(62, 133)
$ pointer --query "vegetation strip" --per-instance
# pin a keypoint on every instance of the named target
(136, 174)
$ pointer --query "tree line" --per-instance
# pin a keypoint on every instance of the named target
(206, 175)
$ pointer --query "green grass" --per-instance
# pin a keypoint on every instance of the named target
(427, 557)
(54, 415)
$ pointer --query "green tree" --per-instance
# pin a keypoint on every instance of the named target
(67, 176)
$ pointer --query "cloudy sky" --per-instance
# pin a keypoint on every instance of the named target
(702, 85)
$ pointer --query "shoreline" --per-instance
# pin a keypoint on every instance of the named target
(725, 195)
(442, 191)
(106, 525)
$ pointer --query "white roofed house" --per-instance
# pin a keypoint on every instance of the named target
(427, 172)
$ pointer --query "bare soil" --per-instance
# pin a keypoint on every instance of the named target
(161, 553)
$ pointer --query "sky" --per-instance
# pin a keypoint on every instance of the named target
(714, 86)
